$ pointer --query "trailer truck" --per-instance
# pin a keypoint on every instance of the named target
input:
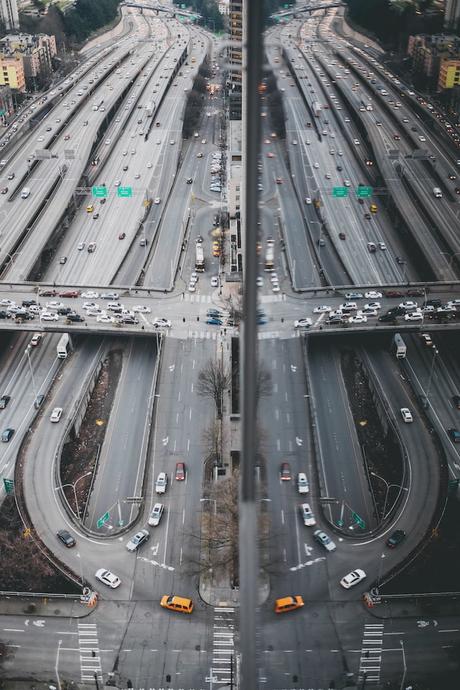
(270, 255)
(63, 346)
(399, 346)
(199, 256)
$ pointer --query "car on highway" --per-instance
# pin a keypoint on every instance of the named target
(180, 472)
(66, 538)
(414, 316)
(4, 400)
(109, 295)
(353, 295)
(285, 472)
(358, 318)
(382, 246)
(56, 414)
(454, 435)
(214, 321)
(63, 260)
(408, 305)
(160, 322)
(456, 401)
(90, 294)
(373, 294)
(100, 317)
(138, 540)
(322, 309)
(48, 316)
(303, 486)
(372, 305)
(307, 515)
(353, 578)
(290, 603)
(302, 323)
(215, 281)
(107, 578)
(161, 483)
(406, 415)
(396, 538)
(142, 309)
(73, 317)
(7, 435)
(426, 338)
(4, 190)
(156, 515)
(308, 200)
(323, 539)
(157, 200)
(54, 305)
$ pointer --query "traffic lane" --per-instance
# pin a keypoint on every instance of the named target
(128, 429)
(341, 461)
(289, 656)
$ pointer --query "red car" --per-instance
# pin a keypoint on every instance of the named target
(70, 293)
(48, 293)
(180, 471)
(122, 235)
(394, 293)
(285, 472)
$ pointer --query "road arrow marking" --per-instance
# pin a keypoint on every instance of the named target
(39, 623)
(298, 440)
(293, 368)
(165, 441)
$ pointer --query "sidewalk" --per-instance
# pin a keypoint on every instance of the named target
(43, 607)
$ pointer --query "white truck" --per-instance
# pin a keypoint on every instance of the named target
(399, 346)
(316, 107)
(63, 346)
(270, 255)
(199, 256)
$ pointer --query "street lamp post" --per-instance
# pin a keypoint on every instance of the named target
(27, 353)
(62, 486)
(388, 487)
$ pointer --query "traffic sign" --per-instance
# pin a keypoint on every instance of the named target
(9, 485)
(364, 192)
(124, 192)
(102, 520)
(358, 520)
(100, 192)
(339, 191)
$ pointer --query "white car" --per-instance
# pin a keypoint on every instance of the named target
(408, 306)
(110, 295)
(406, 415)
(108, 578)
(373, 294)
(359, 318)
(90, 294)
(275, 287)
(160, 322)
(7, 302)
(356, 142)
(142, 308)
(369, 312)
(307, 515)
(372, 305)
(352, 578)
(215, 281)
(302, 323)
(54, 305)
(303, 486)
(102, 318)
(56, 414)
(413, 316)
(156, 514)
(48, 316)
(322, 309)
(308, 200)
(161, 483)
(90, 305)
(80, 246)
(382, 246)
(191, 287)
(157, 200)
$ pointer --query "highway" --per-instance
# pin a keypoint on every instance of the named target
(117, 200)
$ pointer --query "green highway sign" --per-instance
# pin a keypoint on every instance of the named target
(125, 192)
(358, 520)
(339, 191)
(364, 192)
(100, 192)
(9, 485)
(102, 520)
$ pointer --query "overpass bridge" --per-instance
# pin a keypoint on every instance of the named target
(170, 11)
(295, 11)
(187, 313)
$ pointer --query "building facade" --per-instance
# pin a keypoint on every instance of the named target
(449, 74)
(9, 14)
(12, 73)
(6, 103)
(36, 51)
(430, 53)
(235, 58)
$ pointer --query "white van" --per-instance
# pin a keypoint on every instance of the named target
(25, 192)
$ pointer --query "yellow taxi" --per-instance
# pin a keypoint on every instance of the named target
(175, 603)
(289, 603)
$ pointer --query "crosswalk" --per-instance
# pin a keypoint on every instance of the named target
(223, 646)
(207, 299)
(216, 333)
(371, 654)
(90, 658)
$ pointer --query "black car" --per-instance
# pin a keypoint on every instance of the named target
(387, 318)
(63, 311)
(433, 302)
(456, 401)
(75, 317)
(396, 538)
(66, 538)
(7, 435)
(454, 435)
(4, 400)
(39, 401)
(4, 314)
(28, 302)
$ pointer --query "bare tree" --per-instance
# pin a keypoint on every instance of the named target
(212, 382)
